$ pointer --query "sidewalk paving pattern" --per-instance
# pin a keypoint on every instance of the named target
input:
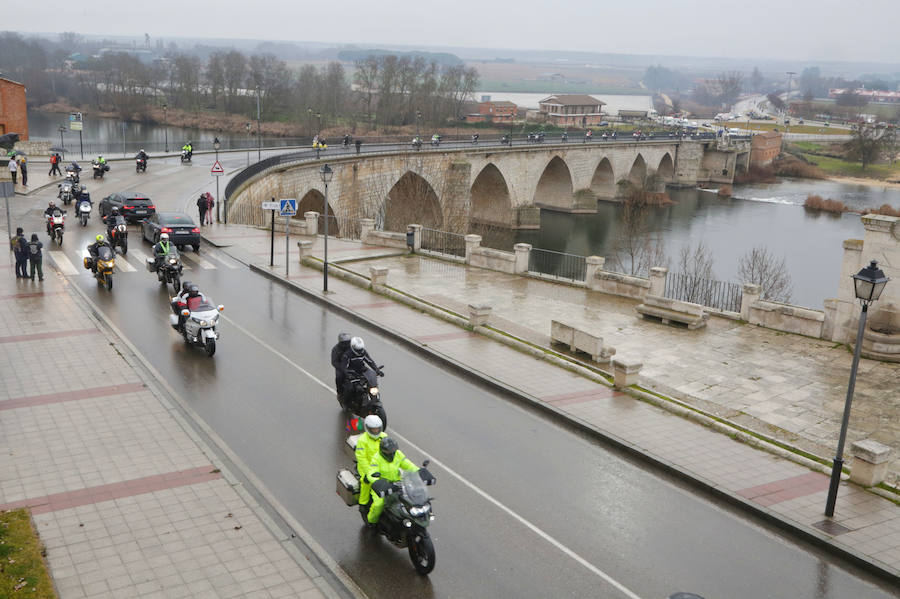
(793, 382)
(126, 501)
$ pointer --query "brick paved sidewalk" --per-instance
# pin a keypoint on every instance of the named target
(128, 502)
(865, 524)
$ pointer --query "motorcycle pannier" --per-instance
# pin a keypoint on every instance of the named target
(88, 262)
(348, 487)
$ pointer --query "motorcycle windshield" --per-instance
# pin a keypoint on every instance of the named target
(413, 488)
(371, 377)
(104, 253)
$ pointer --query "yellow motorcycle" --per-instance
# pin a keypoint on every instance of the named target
(105, 263)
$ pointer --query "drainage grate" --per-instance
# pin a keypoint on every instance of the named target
(831, 527)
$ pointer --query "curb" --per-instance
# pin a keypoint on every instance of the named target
(800, 531)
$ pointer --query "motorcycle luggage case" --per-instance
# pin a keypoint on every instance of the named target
(350, 446)
(348, 487)
(151, 263)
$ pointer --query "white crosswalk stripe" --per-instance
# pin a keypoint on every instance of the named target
(123, 265)
(195, 259)
(63, 264)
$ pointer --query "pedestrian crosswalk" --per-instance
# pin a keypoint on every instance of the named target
(136, 260)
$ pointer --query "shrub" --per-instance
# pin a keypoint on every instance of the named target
(756, 174)
(791, 166)
(884, 210)
(815, 202)
(724, 191)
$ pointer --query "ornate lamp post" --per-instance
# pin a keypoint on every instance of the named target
(166, 124)
(217, 145)
(248, 126)
(868, 284)
(326, 173)
(258, 136)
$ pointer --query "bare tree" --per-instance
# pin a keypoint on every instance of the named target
(637, 248)
(867, 143)
(770, 273)
(730, 86)
(695, 265)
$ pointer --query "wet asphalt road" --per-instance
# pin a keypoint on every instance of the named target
(530, 509)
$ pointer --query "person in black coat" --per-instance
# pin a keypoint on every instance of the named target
(20, 249)
(337, 357)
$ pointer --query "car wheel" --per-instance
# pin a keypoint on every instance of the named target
(196, 247)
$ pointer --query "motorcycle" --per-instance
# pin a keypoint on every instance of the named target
(66, 191)
(407, 510)
(72, 174)
(56, 225)
(475, 139)
(169, 271)
(362, 396)
(99, 169)
(504, 140)
(140, 165)
(436, 140)
(83, 209)
(185, 157)
(346, 142)
(200, 325)
(416, 143)
(102, 265)
(565, 137)
(117, 233)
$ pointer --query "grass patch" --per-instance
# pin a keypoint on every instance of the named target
(771, 126)
(845, 168)
(23, 572)
(811, 147)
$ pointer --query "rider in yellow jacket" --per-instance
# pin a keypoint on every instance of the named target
(389, 461)
(367, 446)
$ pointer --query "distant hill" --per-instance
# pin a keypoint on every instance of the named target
(443, 58)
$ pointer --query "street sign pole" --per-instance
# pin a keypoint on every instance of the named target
(287, 245)
(217, 171)
(272, 207)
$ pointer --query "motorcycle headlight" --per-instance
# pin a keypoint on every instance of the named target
(107, 263)
(419, 511)
(173, 261)
(373, 391)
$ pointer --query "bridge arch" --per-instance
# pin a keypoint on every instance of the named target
(412, 199)
(666, 169)
(491, 200)
(638, 172)
(603, 183)
(314, 201)
(554, 188)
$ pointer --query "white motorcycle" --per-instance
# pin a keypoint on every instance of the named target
(200, 325)
(84, 212)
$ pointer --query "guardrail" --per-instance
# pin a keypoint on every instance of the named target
(443, 242)
(722, 295)
(559, 265)
(342, 227)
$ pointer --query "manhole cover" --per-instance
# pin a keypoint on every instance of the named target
(831, 527)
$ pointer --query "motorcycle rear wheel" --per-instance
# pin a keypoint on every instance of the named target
(379, 411)
(176, 283)
(210, 347)
(421, 551)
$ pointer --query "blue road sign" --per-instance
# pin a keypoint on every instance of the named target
(288, 207)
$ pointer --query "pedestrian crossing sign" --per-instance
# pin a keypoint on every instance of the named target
(288, 207)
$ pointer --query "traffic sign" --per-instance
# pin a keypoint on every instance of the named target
(217, 170)
(288, 207)
(75, 121)
(271, 205)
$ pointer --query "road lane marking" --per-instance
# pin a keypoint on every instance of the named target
(141, 256)
(195, 259)
(123, 265)
(221, 260)
(569, 552)
(63, 264)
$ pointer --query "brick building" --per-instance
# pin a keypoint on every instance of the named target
(502, 111)
(13, 115)
(572, 109)
(764, 148)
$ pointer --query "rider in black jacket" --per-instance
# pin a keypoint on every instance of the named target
(354, 362)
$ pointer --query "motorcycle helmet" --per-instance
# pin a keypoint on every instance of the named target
(115, 211)
(194, 291)
(388, 449)
(373, 425)
(142, 151)
(164, 237)
(344, 339)
(52, 205)
(186, 286)
(99, 238)
(357, 345)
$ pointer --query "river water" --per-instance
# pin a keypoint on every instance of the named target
(771, 216)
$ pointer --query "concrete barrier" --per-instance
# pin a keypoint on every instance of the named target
(580, 340)
(669, 310)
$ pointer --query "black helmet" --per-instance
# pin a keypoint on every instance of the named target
(388, 449)
(344, 339)
(193, 291)
(186, 286)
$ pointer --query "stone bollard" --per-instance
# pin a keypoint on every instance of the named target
(416, 231)
(625, 372)
(749, 295)
(378, 276)
(593, 264)
(658, 280)
(479, 314)
(523, 255)
(312, 222)
(304, 249)
(472, 243)
(366, 226)
(870, 462)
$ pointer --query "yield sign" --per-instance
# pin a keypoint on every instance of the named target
(217, 169)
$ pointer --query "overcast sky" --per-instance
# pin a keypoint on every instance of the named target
(780, 29)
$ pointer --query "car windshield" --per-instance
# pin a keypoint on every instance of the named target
(413, 487)
(104, 252)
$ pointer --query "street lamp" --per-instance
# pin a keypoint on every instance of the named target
(418, 118)
(309, 121)
(787, 107)
(326, 174)
(258, 136)
(868, 284)
(166, 124)
(248, 125)
(61, 131)
(217, 145)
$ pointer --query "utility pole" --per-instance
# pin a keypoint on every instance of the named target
(258, 136)
(787, 107)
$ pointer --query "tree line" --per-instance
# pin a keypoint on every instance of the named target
(379, 91)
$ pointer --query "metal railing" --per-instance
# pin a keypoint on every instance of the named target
(557, 264)
(722, 295)
(443, 242)
(341, 227)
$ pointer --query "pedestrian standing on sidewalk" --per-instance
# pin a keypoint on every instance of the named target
(36, 256)
(13, 169)
(20, 250)
(23, 169)
(54, 165)
(210, 202)
(201, 206)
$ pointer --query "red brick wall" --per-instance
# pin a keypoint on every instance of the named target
(13, 116)
(764, 148)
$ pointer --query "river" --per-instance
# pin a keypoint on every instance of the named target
(771, 216)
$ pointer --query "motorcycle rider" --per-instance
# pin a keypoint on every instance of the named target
(388, 463)
(142, 155)
(101, 160)
(367, 445)
(180, 301)
(161, 250)
(354, 362)
(337, 354)
(188, 149)
(94, 249)
(48, 213)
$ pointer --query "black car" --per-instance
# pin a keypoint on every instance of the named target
(181, 229)
(132, 205)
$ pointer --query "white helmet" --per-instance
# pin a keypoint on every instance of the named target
(164, 237)
(373, 425)
(357, 345)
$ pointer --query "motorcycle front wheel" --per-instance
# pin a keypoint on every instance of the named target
(421, 551)
(124, 247)
(84, 220)
(210, 347)
(109, 282)
(59, 237)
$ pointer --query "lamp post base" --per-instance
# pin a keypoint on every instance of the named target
(833, 486)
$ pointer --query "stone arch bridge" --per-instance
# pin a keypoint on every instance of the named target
(450, 189)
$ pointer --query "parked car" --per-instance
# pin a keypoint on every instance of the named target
(133, 205)
(181, 229)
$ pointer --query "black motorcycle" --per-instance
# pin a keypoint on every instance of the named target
(140, 165)
(169, 270)
(117, 233)
(361, 395)
(99, 169)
